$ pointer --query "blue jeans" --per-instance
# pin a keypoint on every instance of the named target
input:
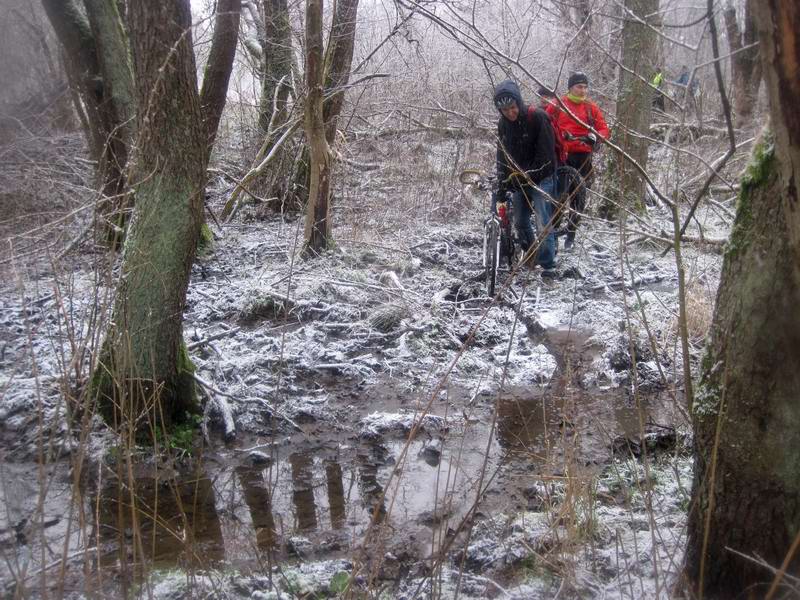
(522, 201)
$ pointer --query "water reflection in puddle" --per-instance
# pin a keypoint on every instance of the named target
(322, 500)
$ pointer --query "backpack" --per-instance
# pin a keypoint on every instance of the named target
(561, 151)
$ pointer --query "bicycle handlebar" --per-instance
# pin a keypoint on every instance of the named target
(586, 139)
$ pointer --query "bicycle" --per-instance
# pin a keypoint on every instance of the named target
(569, 201)
(500, 242)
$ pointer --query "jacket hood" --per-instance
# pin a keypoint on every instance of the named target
(509, 87)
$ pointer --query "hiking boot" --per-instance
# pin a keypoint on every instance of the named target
(549, 274)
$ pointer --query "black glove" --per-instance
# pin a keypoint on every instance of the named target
(591, 139)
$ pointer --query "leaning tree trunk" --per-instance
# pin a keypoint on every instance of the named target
(144, 376)
(117, 89)
(339, 62)
(745, 63)
(625, 186)
(99, 64)
(218, 69)
(746, 490)
(318, 225)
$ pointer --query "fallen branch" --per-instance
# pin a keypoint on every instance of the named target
(230, 206)
(228, 424)
(211, 338)
(9, 585)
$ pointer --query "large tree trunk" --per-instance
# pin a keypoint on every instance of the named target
(745, 64)
(746, 491)
(144, 370)
(218, 69)
(99, 65)
(625, 186)
(318, 225)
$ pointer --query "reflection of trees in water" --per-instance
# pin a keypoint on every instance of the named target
(581, 425)
(305, 508)
(259, 502)
(371, 489)
(522, 425)
(336, 502)
(167, 521)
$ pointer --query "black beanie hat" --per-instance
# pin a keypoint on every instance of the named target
(576, 78)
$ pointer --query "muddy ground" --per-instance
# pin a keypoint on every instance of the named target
(397, 432)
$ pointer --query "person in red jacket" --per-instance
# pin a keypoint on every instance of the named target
(577, 139)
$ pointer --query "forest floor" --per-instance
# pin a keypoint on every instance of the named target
(397, 431)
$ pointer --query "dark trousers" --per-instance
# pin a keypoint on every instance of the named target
(571, 192)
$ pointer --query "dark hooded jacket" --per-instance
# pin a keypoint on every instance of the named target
(527, 143)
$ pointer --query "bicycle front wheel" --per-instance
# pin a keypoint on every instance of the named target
(491, 253)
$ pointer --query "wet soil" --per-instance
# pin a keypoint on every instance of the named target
(336, 489)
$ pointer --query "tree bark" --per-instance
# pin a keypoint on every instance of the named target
(339, 60)
(277, 64)
(746, 489)
(117, 101)
(317, 226)
(583, 12)
(625, 186)
(218, 69)
(745, 64)
(97, 54)
(145, 375)
(75, 35)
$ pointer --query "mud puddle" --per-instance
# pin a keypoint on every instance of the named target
(350, 484)
(289, 500)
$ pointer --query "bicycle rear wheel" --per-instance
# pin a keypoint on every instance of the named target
(570, 200)
(491, 253)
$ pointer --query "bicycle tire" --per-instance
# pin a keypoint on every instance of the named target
(507, 246)
(570, 199)
(491, 253)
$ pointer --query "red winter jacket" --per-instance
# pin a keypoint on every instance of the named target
(588, 112)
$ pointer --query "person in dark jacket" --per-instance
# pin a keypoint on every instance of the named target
(526, 164)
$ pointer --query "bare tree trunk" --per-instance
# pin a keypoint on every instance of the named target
(746, 491)
(74, 32)
(218, 69)
(318, 226)
(339, 61)
(745, 64)
(145, 377)
(625, 186)
(118, 100)
(99, 66)
(583, 10)
(277, 64)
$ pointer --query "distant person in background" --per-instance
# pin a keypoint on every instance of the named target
(687, 92)
(657, 82)
(580, 132)
(683, 81)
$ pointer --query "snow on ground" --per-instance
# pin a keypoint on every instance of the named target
(358, 340)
